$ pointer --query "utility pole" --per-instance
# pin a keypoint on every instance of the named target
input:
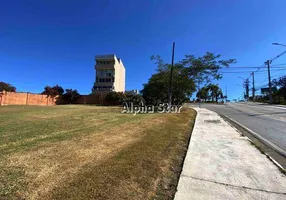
(253, 88)
(171, 78)
(247, 89)
(199, 93)
(225, 93)
(269, 81)
(246, 85)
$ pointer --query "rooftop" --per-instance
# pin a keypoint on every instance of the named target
(107, 57)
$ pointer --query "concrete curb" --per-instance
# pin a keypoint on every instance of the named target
(272, 159)
(263, 140)
(220, 164)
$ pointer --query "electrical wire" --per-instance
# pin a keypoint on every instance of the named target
(234, 72)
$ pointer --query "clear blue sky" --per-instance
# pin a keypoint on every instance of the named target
(54, 42)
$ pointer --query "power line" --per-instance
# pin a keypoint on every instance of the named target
(251, 71)
(266, 65)
(253, 87)
(268, 62)
(280, 66)
(278, 56)
(262, 66)
(264, 84)
(275, 76)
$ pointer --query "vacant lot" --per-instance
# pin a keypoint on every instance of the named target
(88, 152)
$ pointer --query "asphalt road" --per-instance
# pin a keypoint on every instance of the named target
(267, 121)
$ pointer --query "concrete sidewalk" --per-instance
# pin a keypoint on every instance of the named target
(222, 164)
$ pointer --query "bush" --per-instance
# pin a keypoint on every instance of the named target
(118, 98)
(134, 98)
(114, 98)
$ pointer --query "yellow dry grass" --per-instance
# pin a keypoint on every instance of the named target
(51, 165)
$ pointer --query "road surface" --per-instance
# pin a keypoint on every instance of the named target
(266, 120)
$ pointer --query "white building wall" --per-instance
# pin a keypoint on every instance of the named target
(119, 71)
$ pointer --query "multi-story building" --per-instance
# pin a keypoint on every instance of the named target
(110, 74)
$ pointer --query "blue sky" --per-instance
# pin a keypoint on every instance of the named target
(54, 42)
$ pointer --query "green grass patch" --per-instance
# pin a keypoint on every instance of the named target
(90, 152)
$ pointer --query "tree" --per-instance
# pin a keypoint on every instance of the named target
(220, 95)
(282, 86)
(53, 91)
(202, 93)
(215, 92)
(71, 95)
(7, 87)
(206, 68)
(188, 74)
(156, 90)
(118, 98)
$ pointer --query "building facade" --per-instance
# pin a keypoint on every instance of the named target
(110, 74)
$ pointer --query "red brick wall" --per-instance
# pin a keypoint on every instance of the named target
(24, 98)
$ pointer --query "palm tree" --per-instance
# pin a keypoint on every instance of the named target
(203, 93)
(215, 91)
(220, 94)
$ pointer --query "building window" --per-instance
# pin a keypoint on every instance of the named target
(105, 73)
(98, 88)
(109, 72)
(105, 62)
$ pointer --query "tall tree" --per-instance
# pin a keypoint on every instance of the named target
(156, 90)
(206, 68)
(189, 73)
(282, 86)
(202, 93)
(71, 95)
(215, 92)
(53, 91)
(7, 87)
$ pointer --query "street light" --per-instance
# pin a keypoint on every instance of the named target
(275, 43)
(268, 62)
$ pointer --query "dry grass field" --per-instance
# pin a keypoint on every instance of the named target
(89, 152)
